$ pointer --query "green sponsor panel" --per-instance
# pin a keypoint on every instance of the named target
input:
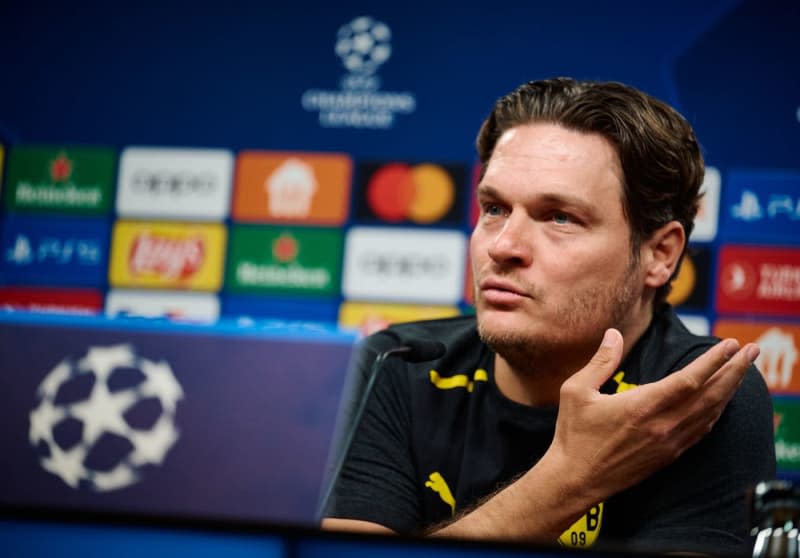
(787, 433)
(69, 180)
(284, 260)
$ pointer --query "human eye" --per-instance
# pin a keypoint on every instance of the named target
(562, 218)
(491, 209)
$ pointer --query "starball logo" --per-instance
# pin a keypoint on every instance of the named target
(363, 45)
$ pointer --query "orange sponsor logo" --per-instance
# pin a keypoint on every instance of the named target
(779, 360)
(281, 187)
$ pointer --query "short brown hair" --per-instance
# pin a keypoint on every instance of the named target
(661, 161)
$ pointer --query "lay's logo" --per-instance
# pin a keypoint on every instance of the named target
(167, 255)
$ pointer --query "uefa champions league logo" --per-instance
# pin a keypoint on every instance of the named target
(102, 418)
(363, 45)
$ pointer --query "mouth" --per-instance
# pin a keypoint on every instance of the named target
(501, 293)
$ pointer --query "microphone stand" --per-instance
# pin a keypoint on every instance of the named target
(356, 420)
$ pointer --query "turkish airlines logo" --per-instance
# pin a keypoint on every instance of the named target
(167, 257)
(759, 280)
(739, 280)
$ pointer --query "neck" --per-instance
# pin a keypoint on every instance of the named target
(536, 380)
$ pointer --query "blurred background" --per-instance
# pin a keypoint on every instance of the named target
(204, 205)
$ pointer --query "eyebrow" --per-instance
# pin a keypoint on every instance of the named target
(552, 198)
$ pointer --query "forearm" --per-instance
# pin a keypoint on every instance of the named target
(539, 506)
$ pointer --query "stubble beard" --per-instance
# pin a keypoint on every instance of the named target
(576, 334)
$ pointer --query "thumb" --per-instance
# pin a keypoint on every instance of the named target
(605, 361)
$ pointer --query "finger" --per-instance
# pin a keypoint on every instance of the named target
(727, 380)
(604, 362)
(712, 377)
(691, 378)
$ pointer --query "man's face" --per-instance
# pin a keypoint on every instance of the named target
(551, 252)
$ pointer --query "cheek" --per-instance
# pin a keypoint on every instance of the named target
(589, 268)
(476, 251)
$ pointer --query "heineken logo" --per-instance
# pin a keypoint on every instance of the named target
(75, 180)
(60, 168)
(167, 257)
(297, 260)
(285, 248)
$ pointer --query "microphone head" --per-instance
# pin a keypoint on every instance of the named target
(421, 350)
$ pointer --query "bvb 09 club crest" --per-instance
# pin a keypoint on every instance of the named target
(102, 418)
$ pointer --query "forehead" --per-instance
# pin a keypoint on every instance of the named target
(543, 157)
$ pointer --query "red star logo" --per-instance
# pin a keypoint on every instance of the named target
(60, 168)
(285, 248)
(777, 419)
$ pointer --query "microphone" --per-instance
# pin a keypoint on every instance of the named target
(416, 350)
(410, 350)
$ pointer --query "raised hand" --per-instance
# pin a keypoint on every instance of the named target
(611, 442)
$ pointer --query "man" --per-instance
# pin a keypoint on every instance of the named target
(576, 407)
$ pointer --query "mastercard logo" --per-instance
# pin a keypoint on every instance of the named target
(421, 193)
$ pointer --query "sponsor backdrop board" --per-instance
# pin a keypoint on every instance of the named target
(303, 188)
(140, 417)
(318, 164)
(65, 251)
(60, 179)
(175, 184)
(787, 434)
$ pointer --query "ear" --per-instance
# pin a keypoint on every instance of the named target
(661, 253)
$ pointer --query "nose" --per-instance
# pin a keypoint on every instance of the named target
(512, 246)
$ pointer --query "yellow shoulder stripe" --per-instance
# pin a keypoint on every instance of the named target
(459, 380)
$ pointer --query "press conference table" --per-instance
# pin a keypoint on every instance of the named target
(27, 532)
